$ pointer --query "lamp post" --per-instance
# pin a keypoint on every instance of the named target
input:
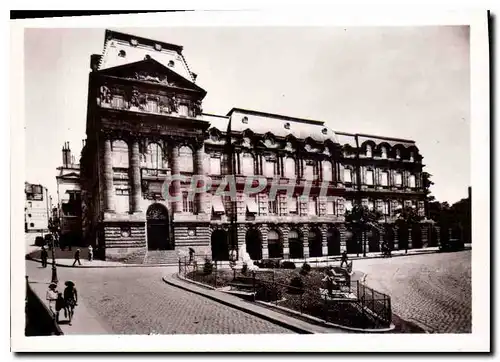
(54, 269)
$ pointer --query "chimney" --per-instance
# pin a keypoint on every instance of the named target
(95, 59)
(66, 154)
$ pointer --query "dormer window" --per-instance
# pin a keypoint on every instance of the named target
(324, 131)
(171, 63)
(368, 151)
(244, 120)
(398, 154)
(134, 42)
(384, 152)
(122, 54)
(158, 47)
(412, 157)
(147, 57)
(287, 125)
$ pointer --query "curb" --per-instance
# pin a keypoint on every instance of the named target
(243, 309)
(325, 323)
(311, 319)
(105, 266)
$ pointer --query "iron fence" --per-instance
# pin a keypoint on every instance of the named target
(348, 303)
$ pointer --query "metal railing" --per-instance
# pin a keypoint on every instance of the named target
(348, 303)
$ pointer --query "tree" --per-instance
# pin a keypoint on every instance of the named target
(359, 219)
(409, 217)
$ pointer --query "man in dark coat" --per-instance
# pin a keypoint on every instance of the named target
(44, 257)
(344, 258)
(77, 257)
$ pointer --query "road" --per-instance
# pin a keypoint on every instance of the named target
(431, 290)
(137, 301)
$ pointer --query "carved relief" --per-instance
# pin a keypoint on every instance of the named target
(197, 109)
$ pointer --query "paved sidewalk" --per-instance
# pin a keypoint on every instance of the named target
(284, 320)
(83, 322)
(97, 264)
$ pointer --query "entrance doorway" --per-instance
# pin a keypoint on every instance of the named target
(333, 240)
(220, 246)
(254, 244)
(157, 228)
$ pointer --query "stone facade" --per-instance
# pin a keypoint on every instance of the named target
(145, 124)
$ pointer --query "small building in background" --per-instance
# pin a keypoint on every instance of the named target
(36, 208)
(69, 198)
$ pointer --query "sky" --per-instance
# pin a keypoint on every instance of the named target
(404, 82)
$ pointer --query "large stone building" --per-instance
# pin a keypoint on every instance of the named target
(145, 123)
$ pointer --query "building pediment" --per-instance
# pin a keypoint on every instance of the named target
(152, 72)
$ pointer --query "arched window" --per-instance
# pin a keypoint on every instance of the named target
(185, 159)
(154, 156)
(398, 154)
(412, 157)
(120, 153)
(327, 171)
(295, 245)
(384, 152)
(247, 164)
(290, 168)
(274, 244)
(368, 151)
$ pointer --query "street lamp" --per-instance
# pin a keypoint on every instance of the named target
(54, 235)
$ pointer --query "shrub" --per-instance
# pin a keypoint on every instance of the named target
(296, 286)
(288, 265)
(267, 292)
(306, 268)
(208, 267)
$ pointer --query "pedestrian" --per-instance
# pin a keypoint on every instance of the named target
(51, 297)
(77, 257)
(60, 304)
(191, 255)
(91, 253)
(70, 299)
(344, 258)
(44, 255)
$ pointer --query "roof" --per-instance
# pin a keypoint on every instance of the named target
(162, 52)
(262, 123)
(350, 139)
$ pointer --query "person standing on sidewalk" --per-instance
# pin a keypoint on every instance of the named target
(91, 253)
(70, 299)
(51, 297)
(60, 304)
(344, 258)
(77, 257)
(44, 256)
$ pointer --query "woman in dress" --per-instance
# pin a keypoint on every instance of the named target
(70, 299)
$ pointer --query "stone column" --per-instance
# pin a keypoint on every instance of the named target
(134, 176)
(109, 192)
(199, 169)
(265, 244)
(438, 235)
(176, 185)
(425, 235)
(396, 238)
(305, 241)
(343, 238)
(324, 242)
(286, 246)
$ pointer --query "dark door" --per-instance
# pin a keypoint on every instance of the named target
(157, 228)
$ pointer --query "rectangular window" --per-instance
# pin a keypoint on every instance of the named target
(183, 110)
(272, 207)
(348, 175)
(152, 106)
(348, 205)
(398, 179)
(215, 165)
(217, 205)
(411, 181)
(384, 178)
(187, 203)
(369, 177)
(252, 206)
(269, 168)
(309, 172)
(312, 206)
(385, 207)
(292, 205)
(117, 102)
(330, 207)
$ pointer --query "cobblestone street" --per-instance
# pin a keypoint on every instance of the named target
(137, 301)
(433, 290)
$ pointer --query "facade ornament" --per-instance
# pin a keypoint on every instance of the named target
(197, 109)
(174, 104)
